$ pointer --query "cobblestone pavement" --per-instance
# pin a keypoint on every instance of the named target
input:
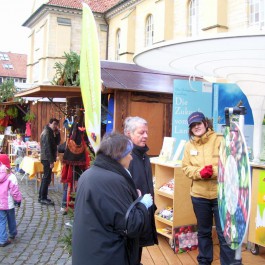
(40, 230)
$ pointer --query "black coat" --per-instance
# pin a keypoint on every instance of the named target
(104, 194)
(48, 144)
(141, 171)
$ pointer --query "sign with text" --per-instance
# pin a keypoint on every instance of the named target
(189, 96)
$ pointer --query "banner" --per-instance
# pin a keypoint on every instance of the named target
(189, 96)
(90, 79)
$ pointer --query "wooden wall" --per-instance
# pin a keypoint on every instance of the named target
(43, 112)
(153, 107)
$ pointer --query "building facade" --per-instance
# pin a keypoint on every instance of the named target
(13, 66)
(129, 26)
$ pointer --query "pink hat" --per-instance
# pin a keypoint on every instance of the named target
(4, 159)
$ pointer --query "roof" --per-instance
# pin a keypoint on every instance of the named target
(115, 76)
(50, 91)
(18, 62)
(99, 6)
(129, 76)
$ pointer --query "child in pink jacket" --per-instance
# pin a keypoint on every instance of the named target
(10, 196)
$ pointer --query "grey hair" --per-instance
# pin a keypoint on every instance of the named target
(131, 123)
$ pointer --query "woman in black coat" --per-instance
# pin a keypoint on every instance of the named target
(140, 168)
(109, 214)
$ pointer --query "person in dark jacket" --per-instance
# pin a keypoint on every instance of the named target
(49, 139)
(136, 129)
(109, 214)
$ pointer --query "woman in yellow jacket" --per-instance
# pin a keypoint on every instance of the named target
(200, 164)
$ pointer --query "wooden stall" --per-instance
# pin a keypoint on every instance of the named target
(137, 91)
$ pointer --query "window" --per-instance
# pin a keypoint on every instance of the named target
(257, 12)
(8, 66)
(1, 80)
(64, 21)
(193, 17)
(149, 31)
(4, 57)
(118, 45)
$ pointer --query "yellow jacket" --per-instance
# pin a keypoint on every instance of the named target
(200, 152)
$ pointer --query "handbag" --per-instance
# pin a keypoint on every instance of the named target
(61, 148)
(74, 154)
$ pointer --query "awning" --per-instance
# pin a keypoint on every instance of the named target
(50, 91)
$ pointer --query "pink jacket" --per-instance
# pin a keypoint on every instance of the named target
(9, 191)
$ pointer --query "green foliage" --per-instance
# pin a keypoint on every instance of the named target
(30, 116)
(67, 240)
(12, 112)
(7, 90)
(2, 114)
(67, 73)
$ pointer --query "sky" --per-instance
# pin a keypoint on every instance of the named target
(14, 37)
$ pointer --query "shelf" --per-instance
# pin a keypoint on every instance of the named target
(165, 234)
(166, 194)
(163, 220)
(180, 200)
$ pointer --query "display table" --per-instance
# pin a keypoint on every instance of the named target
(256, 233)
(34, 168)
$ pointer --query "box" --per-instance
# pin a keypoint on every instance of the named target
(185, 238)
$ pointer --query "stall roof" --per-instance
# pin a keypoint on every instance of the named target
(129, 76)
(114, 75)
(50, 91)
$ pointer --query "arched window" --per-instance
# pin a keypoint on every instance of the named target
(149, 31)
(193, 17)
(118, 45)
(257, 12)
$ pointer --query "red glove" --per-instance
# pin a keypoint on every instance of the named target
(207, 172)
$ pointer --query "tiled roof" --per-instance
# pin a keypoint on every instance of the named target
(18, 62)
(99, 6)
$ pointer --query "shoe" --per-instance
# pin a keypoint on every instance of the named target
(63, 210)
(69, 224)
(39, 200)
(12, 237)
(5, 244)
(47, 202)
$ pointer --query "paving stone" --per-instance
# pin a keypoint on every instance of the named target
(40, 229)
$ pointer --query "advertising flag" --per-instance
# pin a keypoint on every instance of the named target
(90, 79)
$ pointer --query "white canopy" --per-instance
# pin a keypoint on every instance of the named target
(236, 59)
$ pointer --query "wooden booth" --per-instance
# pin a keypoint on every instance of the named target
(136, 91)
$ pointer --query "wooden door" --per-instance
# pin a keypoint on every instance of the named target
(153, 113)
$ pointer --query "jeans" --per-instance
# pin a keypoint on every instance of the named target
(9, 217)
(46, 180)
(64, 198)
(205, 210)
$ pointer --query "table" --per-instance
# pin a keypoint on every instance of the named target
(34, 168)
